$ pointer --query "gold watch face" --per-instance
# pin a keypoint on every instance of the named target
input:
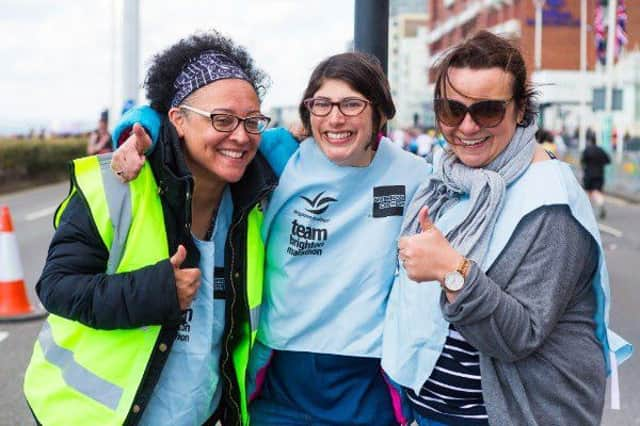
(453, 281)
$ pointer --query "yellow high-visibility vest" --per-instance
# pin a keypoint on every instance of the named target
(80, 375)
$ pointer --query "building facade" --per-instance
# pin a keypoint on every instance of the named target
(408, 70)
(399, 7)
(558, 78)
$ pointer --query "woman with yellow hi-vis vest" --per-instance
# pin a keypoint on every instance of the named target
(154, 286)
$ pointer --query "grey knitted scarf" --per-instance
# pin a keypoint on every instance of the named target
(486, 187)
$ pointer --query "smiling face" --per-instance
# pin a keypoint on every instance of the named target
(345, 140)
(210, 154)
(476, 146)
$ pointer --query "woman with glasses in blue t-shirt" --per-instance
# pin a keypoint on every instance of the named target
(330, 231)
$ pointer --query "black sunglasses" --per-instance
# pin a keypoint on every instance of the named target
(487, 113)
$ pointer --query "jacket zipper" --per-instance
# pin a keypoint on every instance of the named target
(231, 321)
(187, 211)
(233, 302)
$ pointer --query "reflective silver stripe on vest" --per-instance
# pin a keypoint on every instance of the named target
(119, 201)
(254, 317)
(75, 375)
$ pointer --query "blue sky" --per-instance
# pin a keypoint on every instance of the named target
(56, 65)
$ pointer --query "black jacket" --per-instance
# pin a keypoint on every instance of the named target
(74, 284)
(593, 161)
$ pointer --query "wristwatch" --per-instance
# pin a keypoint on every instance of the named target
(454, 280)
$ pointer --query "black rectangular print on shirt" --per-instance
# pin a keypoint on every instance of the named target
(388, 200)
(219, 289)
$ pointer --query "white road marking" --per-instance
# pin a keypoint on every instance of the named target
(3, 335)
(610, 230)
(48, 211)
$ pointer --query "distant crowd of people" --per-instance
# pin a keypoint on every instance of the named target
(423, 142)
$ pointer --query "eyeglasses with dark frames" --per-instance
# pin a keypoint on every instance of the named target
(321, 107)
(225, 122)
(486, 114)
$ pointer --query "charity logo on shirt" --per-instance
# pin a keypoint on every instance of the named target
(308, 232)
(388, 200)
(318, 204)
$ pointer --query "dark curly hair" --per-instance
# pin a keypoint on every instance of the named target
(166, 66)
(487, 50)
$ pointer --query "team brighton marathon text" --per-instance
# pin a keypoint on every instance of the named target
(306, 240)
(302, 247)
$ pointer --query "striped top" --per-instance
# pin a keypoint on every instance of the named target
(453, 392)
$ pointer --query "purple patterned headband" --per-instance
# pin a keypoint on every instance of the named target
(206, 68)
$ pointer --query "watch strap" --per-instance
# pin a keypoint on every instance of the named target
(464, 266)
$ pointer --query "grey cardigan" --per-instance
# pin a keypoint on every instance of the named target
(531, 318)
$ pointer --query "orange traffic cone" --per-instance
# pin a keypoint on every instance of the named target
(14, 303)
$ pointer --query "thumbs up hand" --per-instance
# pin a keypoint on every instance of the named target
(187, 280)
(128, 159)
(425, 220)
(427, 255)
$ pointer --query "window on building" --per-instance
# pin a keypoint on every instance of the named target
(598, 103)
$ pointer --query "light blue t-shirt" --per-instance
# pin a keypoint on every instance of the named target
(189, 389)
(331, 235)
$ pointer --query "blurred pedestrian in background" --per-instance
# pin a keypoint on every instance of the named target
(593, 160)
(398, 136)
(100, 139)
(412, 140)
(560, 140)
(424, 143)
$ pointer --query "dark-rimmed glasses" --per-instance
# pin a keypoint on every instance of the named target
(321, 107)
(225, 122)
(486, 114)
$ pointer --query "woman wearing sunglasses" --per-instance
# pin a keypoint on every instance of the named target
(330, 234)
(152, 285)
(499, 311)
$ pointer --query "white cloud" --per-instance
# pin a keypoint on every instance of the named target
(57, 53)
